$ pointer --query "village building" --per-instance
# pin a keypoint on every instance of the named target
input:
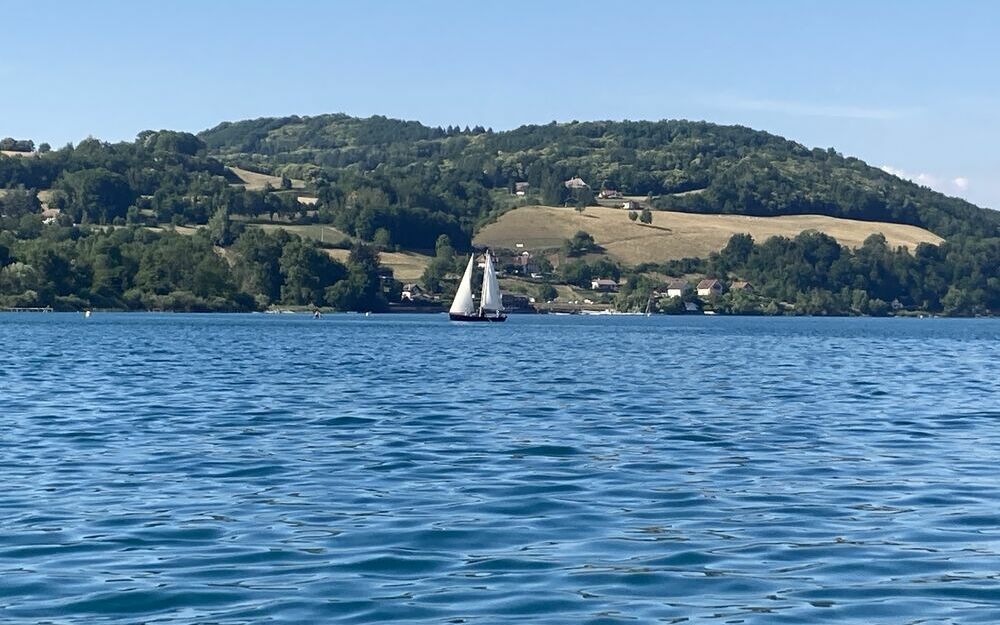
(526, 264)
(521, 188)
(411, 292)
(50, 215)
(604, 284)
(576, 183)
(608, 194)
(741, 285)
(676, 288)
(516, 262)
(709, 288)
(631, 205)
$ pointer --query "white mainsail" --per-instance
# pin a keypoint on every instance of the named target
(491, 301)
(463, 298)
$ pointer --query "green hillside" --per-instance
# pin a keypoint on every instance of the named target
(184, 222)
(736, 170)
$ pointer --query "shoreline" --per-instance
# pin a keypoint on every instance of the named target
(424, 311)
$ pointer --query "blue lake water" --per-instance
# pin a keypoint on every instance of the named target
(256, 468)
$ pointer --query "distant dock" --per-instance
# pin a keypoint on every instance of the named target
(47, 309)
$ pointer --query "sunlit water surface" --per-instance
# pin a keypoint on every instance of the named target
(253, 469)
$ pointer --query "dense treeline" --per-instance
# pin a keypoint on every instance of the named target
(404, 185)
(134, 268)
(813, 274)
(414, 183)
(690, 166)
(10, 144)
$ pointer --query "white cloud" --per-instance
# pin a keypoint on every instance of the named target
(951, 186)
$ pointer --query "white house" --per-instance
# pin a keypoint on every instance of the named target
(604, 284)
(709, 288)
(677, 288)
(411, 292)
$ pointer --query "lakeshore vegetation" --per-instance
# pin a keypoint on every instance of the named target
(227, 219)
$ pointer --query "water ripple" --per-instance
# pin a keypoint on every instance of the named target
(244, 469)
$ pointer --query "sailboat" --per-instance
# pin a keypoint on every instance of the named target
(490, 301)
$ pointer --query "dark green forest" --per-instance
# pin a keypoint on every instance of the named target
(108, 240)
(134, 268)
(812, 274)
(733, 169)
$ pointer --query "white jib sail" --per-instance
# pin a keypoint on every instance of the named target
(463, 298)
(492, 300)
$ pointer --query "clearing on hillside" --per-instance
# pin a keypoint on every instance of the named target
(319, 232)
(406, 266)
(675, 235)
(255, 182)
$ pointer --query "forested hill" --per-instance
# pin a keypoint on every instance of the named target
(688, 166)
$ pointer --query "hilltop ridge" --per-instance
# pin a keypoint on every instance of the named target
(732, 169)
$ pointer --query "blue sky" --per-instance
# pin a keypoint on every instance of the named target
(912, 86)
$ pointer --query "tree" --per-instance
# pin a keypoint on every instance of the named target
(576, 272)
(646, 217)
(957, 302)
(581, 243)
(169, 141)
(443, 248)
(97, 195)
(220, 227)
(257, 266)
(307, 273)
(13, 145)
(632, 215)
(211, 277)
(671, 306)
(442, 264)
(738, 249)
(547, 293)
(382, 239)
(19, 201)
(362, 289)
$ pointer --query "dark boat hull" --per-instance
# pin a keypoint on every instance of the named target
(494, 319)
